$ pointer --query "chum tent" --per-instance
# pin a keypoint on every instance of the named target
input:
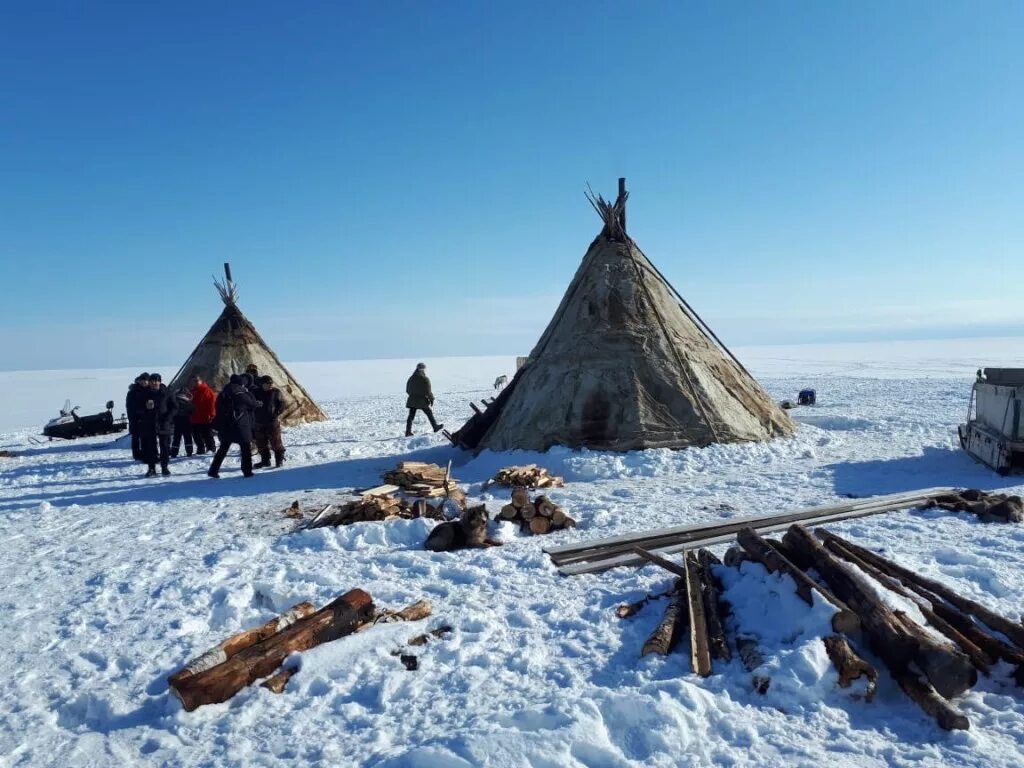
(625, 364)
(232, 344)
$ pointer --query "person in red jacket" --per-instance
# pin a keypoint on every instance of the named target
(204, 401)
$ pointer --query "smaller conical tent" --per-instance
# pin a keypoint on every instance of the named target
(625, 364)
(231, 345)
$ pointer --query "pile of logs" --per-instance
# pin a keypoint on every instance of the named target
(529, 476)
(932, 664)
(417, 478)
(539, 515)
(242, 659)
(377, 508)
(989, 507)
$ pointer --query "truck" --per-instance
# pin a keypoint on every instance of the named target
(994, 431)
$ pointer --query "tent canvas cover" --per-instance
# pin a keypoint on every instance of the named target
(625, 364)
(232, 344)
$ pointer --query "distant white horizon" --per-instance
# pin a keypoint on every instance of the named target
(30, 397)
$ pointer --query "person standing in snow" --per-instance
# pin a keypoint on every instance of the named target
(204, 405)
(182, 422)
(421, 398)
(235, 408)
(130, 406)
(155, 409)
(268, 423)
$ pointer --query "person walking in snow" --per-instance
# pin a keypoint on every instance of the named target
(130, 405)
(155, 410)
(182, 422)
(268, 423)
(235, 408)
(204, 410)
(421, 398)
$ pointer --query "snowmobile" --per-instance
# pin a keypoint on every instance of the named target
(70, 425)
(994, 431)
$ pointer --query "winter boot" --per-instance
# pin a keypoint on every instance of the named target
(165, 470)
(152, 471)
(438, 427)
(212, 474)
(278, 458)
(264, 461)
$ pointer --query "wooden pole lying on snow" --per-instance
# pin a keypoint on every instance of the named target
(713, 607)
(219, 683)
(670, 629)
(700, 652)
(850, 664)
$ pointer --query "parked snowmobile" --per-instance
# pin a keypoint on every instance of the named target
(70, 425)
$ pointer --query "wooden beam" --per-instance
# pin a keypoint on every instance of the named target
(700, 653)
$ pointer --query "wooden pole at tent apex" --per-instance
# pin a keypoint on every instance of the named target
(227, 273)
(622, 194)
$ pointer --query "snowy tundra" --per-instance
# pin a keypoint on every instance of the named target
(110, 582)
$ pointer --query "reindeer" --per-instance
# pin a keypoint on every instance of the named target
(500, 382)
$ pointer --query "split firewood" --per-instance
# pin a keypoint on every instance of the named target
(850, 664)
(700, 652)
(844, 620)
(419, 610)
(417, 478)
(899, 643)
(276, 683)
(219, 683)
(713, 606)
(672, 625)
(529, 476)
(912, 579)
(239, 642)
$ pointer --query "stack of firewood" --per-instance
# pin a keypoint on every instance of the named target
(932, 662)
(529, 476)
(539, 515)
(417, 478)
(371, 508)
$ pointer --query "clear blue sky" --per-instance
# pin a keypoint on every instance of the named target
(394, 179)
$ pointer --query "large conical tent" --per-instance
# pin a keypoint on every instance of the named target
(231, 345)
(625, 364)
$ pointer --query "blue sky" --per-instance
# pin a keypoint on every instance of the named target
(405, 178)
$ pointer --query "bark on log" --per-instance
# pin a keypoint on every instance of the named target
(713, 607)
(217, 684)
(1012, 629)
(540, 525)
(844, 620)
(978, 656)
(898, 642)
(700, 653)
(850, 664)
(230, 647)
(676, 618)
(945, 714)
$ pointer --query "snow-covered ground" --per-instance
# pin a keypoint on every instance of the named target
(110, 582)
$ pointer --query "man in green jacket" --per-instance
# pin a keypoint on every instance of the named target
(421, 398)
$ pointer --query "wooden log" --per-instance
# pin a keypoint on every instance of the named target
(508, 512)
(544, 506)
(528, 512)
(426, 636)
(558, 517)
(668, 565)
(700, 652)
(540, 525)
(750, 655)
(714, 610)
(898, 643)
(666, 635)
(521, 498)
(844, 620)
(850, 665)
(277, 682)
(419, 610)
(735, 555)
(219, 683)
(239, 642)
(569, 522)
(981, 660)
(945, 714)
(1012, 629)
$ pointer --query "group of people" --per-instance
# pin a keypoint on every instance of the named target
(247, 409)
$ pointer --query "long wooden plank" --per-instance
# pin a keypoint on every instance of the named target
(723, 527)
(630, 559)
(643, 537)
(700, 649)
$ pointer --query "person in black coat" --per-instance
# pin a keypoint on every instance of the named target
(235, 409)
(268, 423)
(131, 403)
(155, 411)
(182, 422)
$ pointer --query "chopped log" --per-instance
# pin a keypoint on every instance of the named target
(945, 714)
(540, 525)
(558, 517)
(735, 555)
(508, 512)
(981, 660)
(713, 608)
(850, 664)
(899, 643)
(844, 620)
(219, 683)
(700, 653)
(320, 517)
(239, 642)
(528, 512)
(665, 636)
(750, 655)
(521, 498)
(277, 682)
(544, 506)
(1012, 629)
(415, 612)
